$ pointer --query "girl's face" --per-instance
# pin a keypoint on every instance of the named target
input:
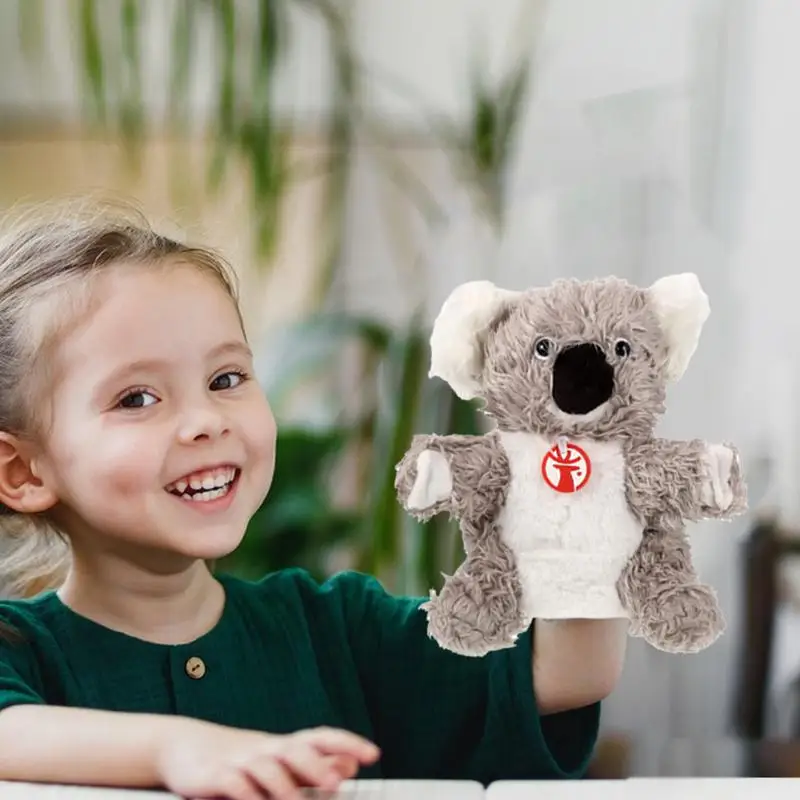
(161, 443)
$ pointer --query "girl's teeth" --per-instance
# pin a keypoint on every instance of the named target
(208, 487)
(205, 496)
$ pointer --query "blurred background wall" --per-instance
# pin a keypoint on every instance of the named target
(371, 154)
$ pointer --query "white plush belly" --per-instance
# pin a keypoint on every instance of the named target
(571, 546)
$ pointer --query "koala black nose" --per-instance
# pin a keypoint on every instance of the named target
(582, 379)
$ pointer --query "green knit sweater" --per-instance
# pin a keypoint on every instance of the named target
(290, 653)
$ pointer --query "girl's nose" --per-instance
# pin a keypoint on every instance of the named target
(202, 426)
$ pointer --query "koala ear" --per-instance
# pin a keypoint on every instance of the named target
(457, 331)
(682, 308)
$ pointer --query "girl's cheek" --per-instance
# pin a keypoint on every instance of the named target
(126, 462)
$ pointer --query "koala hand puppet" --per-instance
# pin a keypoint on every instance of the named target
(571, 507)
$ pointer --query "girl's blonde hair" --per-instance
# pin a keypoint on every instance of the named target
(48, 258)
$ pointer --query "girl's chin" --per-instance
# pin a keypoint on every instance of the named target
(207, 545)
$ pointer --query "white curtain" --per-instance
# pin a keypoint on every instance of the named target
(767, 246)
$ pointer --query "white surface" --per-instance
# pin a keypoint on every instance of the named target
(34, 791)
(651, 788)
(405, 790)
(655, 789)
(352, 790)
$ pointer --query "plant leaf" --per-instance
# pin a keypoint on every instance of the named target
(316, 343)
(93, 62)
(225, 133)
(183, 32)
(405, 368)
(31, 22)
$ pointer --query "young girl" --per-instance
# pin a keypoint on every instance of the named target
(135, 443)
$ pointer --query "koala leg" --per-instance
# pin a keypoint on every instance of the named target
(668, 606)
(479, 608)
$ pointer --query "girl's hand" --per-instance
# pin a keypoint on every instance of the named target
(203, 760)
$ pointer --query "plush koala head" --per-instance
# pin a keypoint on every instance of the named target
(586, 358)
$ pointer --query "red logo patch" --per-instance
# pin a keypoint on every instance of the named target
(566, 467)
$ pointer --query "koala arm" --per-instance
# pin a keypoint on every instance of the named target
(690, 480)
(452, 474)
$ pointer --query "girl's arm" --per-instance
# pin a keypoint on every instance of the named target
(577, 662)
(49, 744)
(439, 714)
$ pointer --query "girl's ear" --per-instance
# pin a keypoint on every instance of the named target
(21, 489)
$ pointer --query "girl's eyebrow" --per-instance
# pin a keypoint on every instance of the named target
(232, 347)
(131, 368)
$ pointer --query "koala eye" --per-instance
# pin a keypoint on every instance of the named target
(543, 347)
(622, 348)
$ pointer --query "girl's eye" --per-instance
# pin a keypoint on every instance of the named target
(228, 380)
(137, 399)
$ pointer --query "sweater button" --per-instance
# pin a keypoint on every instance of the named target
(195, 667)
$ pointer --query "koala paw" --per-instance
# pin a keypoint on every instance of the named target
(466, 620)
(684, 619)
(433, 482)
(723, 474)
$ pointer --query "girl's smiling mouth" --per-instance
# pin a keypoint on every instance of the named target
(207, 487)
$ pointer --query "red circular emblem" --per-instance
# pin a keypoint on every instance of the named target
(566, 467)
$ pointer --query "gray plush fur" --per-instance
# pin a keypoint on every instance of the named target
(479, 606)
(667, 483)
